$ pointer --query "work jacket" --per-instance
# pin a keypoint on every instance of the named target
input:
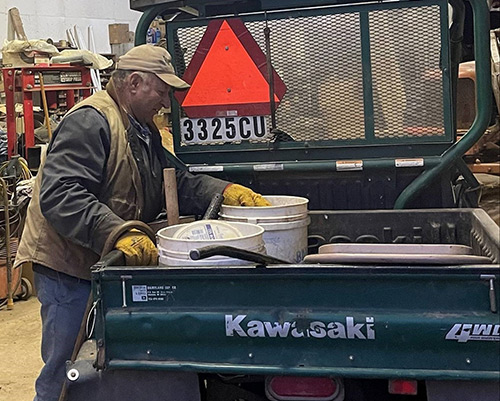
(121, 190)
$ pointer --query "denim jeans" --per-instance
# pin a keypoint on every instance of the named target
(63, 301)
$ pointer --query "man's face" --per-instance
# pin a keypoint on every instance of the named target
(148, 95)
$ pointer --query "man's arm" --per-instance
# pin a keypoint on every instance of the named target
(196, 191)
(72, 178)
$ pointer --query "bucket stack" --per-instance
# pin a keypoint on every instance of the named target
(279, 230)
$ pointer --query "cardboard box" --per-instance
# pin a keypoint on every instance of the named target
(119, 49)
(118, 33)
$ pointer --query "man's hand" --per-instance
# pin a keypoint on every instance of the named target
(238, 195)
(138, 249)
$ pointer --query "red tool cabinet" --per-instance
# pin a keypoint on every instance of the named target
(73, 80)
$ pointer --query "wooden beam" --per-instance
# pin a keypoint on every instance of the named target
(172, 202)
(15, 25)
(488, 168)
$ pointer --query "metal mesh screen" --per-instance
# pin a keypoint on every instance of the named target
(324, 99)
(406, 73)
(320, 60)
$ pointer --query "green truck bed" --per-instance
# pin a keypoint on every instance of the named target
(425, 322)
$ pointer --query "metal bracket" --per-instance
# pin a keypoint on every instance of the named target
(124, 294)
(493, 300)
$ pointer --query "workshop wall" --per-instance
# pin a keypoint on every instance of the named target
(44, 19)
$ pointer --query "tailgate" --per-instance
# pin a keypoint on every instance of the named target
(433, 322)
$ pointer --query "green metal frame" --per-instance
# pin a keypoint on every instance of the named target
(311, 166)
(145, 21)
(483, 108)
(316, 150)
(440, 154)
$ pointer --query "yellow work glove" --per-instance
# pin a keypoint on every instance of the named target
(238, 195)
(138, 249)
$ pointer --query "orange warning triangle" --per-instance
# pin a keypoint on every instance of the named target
(228, 75)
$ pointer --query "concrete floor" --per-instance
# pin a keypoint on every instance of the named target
(20, 361)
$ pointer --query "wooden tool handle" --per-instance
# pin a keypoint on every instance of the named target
(171, 200)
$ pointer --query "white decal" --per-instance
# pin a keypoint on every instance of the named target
(233, 325)
(463, 332)
(268, 167)
(349, 165)
(318, 330)
(409, 162)
(139, 293)
(148, 293)
(350, 329)
(337, 330)
(354, 330)
(205, 169)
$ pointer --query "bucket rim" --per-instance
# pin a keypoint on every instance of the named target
(264, 219)
(162, 236)
(285, 225)
(302, 201)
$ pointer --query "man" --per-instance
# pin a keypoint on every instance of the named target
(104, 167)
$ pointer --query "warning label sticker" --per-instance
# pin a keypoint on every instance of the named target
(148, 293)
(409, 162)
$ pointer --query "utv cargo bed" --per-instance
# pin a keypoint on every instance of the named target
(365, 321)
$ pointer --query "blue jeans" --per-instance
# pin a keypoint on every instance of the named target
(63, 301)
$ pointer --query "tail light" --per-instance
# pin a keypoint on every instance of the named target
(403, 386)
(290, 388)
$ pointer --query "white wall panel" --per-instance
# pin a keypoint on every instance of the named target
(83, 9)
(51, 7)
(44, 19)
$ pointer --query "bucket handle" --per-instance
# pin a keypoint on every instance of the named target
(232, 252)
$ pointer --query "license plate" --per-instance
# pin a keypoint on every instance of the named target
(222, 129)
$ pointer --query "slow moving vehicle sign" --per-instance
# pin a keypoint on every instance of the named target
(229, 95)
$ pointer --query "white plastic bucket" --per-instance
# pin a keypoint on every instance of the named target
(175, 251)
(285, 224)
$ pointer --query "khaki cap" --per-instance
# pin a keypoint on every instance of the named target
(154, 59)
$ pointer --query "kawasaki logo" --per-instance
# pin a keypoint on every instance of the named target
(238, 325)
(474, 332)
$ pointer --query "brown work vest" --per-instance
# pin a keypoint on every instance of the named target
(121, 191)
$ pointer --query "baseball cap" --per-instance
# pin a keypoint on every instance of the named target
(154, 59)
